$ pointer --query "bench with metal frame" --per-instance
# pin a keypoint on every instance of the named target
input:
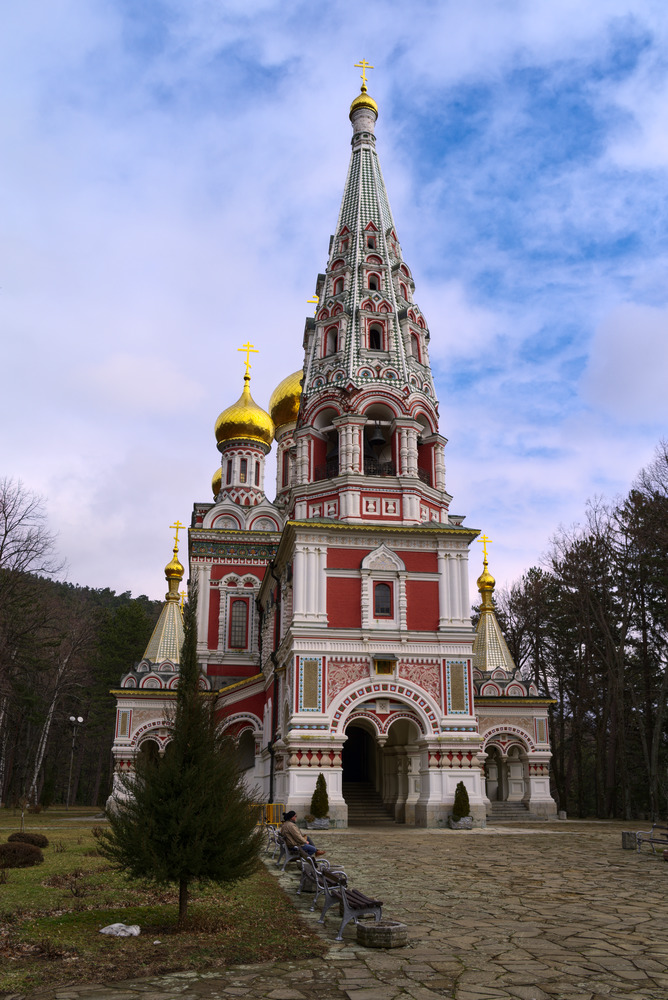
(659, 837)
(353, 903)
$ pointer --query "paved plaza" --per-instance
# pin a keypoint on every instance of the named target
(551, 912)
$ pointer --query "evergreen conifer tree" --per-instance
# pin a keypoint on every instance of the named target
(461, 806)
(187, 816)
(320, 799)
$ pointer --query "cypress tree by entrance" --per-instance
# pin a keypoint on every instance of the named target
(320, 798)
(461, 807)
(187, 815)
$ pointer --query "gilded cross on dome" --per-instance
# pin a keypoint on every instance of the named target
(178, 527)
(485, 541)
(364, 66)
(248, 349)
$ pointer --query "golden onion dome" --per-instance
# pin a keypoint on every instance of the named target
(217, 481)
(363, 100)
(245, 419)
(174, 570)
(284, 402)
(486, 581)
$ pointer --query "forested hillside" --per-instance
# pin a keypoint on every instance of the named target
(591, 627)
(62, 648)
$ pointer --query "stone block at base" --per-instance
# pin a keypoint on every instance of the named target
(382, 933)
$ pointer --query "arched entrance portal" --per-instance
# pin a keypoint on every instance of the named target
(381, 775)
(506, 780)
(358, 756)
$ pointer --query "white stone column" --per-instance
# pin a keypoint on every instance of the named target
(453, 587)
(442, 590)
(298, 583)
(411, 443)
(321, 607)
(463, 562)
(403, 603)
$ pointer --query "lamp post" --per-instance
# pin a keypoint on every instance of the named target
(75, 722)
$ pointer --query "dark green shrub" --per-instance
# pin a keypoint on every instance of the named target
(18, 855)
(36, 839)
(320, 800)
(461, 807)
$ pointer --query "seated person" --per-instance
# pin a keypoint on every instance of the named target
(294, 837)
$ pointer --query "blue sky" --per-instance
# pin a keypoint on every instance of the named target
(173, 173)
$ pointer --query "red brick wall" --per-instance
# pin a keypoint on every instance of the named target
(419, 562)
(344, 603)
(222, 569)
(422, 605)
(345, 558)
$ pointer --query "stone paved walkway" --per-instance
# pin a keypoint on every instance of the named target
(556, 912)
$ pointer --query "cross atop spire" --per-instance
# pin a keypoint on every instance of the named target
(177, 525)
(248, 349)
(484, 541)
(364, 66)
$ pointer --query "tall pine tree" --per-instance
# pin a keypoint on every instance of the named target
(187, 816)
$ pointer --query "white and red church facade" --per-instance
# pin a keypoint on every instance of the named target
(334, 622)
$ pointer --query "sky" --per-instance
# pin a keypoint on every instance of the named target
(171, 174)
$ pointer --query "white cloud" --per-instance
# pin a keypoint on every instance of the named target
(628, 364)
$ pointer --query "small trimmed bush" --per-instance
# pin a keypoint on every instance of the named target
(36, 839)
(18, 855)
(461, 806)
(320, 800)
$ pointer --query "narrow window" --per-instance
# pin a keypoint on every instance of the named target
(344, 245)
(415, 347)
(243, 470)
(375, 337)
(257, 473)
(382, 600)
(286, 469)
(404, 291)
(338, 286)
(238, 624)
(228, 477)
(373, 282)
(331, 337)
(371, 242)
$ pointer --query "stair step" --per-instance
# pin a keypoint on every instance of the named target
(365, 805)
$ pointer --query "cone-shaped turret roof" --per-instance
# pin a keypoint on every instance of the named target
(167, 638)
(490, 649)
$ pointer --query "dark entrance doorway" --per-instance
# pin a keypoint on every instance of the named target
(358, 755)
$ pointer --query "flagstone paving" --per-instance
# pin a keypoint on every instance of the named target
(552, 912)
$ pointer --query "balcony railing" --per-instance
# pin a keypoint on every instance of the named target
(424, 476)
(372, 467)
(327, 471)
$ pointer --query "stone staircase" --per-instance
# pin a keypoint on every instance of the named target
(365, 806)
(508, 812)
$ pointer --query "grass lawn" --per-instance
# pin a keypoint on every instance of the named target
(51, 915)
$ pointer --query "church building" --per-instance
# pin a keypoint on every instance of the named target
(334, 623)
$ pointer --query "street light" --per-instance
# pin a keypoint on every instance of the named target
(75, 722)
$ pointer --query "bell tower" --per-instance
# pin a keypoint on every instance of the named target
(367, 443)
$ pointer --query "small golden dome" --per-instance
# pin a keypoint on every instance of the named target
(217, 481)
(174, 570)
(486, 581)
(364, 101)
(245, 419)
(284, 402)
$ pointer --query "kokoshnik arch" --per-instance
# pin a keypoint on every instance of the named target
(334, 623)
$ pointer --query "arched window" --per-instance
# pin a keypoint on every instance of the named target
(331, 337)
(415, 346)
(238, 624)
(371, 242)
(338, 263)
(243, 470)
(257, 473)
(228, 475)
(382, 600)
(375, 337)
(374, 282)
(404, 290)
(338, 286)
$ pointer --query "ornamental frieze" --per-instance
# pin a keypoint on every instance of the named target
(225, 550)
(340, 675)
(426, 675)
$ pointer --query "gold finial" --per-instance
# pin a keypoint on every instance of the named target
(484, 541)
(314, 301)
(177, 524)
(248, 349)
(364, 66)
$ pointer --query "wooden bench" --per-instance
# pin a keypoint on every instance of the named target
(286, 854)
(657, 835)
(353, 903)
(314, 872)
